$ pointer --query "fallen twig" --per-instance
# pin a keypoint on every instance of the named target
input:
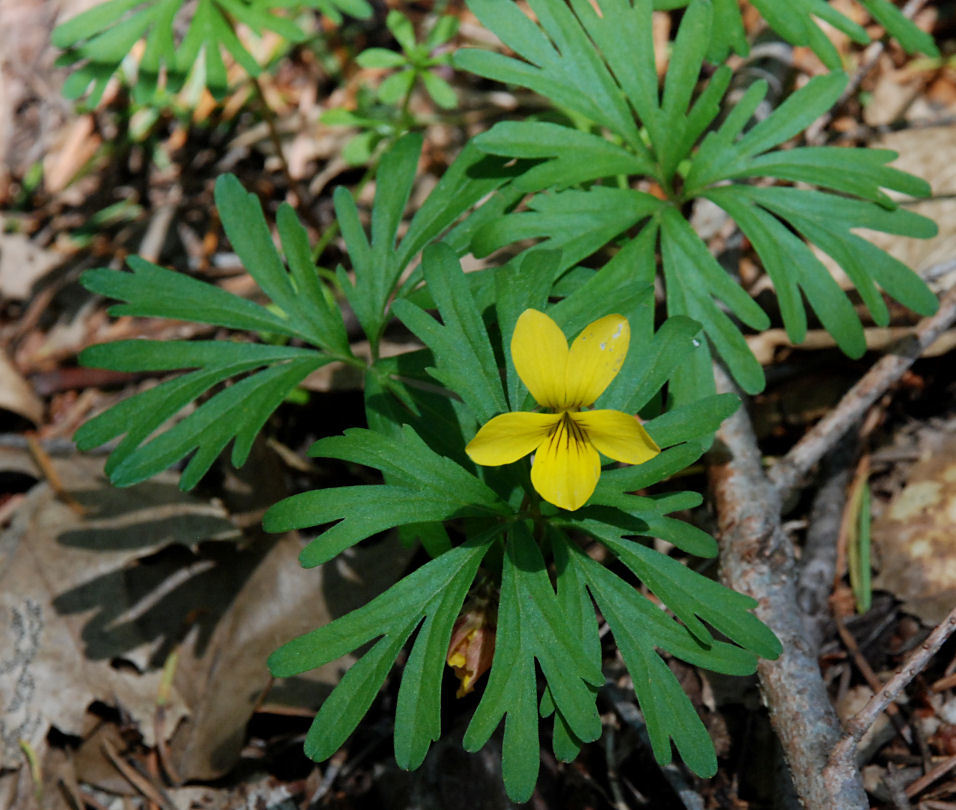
(843, 752)
(757, 559)
(786, 474)
(818, 562)
(931, 776)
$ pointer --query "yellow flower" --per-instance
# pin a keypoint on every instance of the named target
(567, 440)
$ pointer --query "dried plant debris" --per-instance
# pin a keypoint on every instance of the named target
(93, 605)
(914, 537)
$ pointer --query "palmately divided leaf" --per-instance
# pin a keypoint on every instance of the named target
(464, 357)
(238, 411)
(155, 292)
(433, 592)
(379, 262)
(570, 156)
(638, 627)
(362, 511)
(532, 625)
(406, 456)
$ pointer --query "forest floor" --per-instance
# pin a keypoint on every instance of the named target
(157, 608)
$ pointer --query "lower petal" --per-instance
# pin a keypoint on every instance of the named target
(510, 436)
(618, 435)
(566, 467)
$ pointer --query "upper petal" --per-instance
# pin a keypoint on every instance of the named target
(618, 435)
(595, 357)
(566, 467)
(510, 436)
(540, 353)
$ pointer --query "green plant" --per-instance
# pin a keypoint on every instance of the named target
(494, 527)
(98, 41)
(585, 175)
(384, 115)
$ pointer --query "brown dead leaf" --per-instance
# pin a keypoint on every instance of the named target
(73, 600)
(22, 263)
(73, 149)
(16, 395)
(276, 602)
(128, 583)
(914, 538)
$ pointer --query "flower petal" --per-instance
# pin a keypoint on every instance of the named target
(566, 467)
(540, 353)
(595, 357)
(510, 436)
(618, 435)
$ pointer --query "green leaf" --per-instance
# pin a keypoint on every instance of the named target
(154, 292)
(531, 624)
(575, 222)
(380, 58)
(910, 36)
(246, 227)
(405, 456)
(353, 695)
(700, 418)
(397, 86)
(418, 711)
(792, 267)
(434, 591)
(638, 626)
(571, 156)
(627, 279)
(687, 263)
(517, 288)
(441, 91)
(649, 365)
(691, 595)
(444, 29)
(100, 39)
(571, 74)
(623, 35)
(374, 261)
(325, 318)
(470, 178)
(402, 30)
(362, 511)
(640, 476)
(465, 360)
(407, 598)
(860, 172)
(239, 411)
(827, 220)
(683, 71)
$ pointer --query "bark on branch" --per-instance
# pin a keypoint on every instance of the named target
(757, 559)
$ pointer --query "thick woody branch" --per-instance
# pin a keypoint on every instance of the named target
(757, 559)
(786, 474)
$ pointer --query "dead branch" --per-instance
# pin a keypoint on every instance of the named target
(786, 474)
(757, 559)
(844, 751)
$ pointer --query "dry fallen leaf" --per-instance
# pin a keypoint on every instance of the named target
(22, 263)
(16, 394)
(914, 538)
(92, 606)
(73, 602)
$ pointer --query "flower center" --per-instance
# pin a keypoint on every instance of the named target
(567, 431)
